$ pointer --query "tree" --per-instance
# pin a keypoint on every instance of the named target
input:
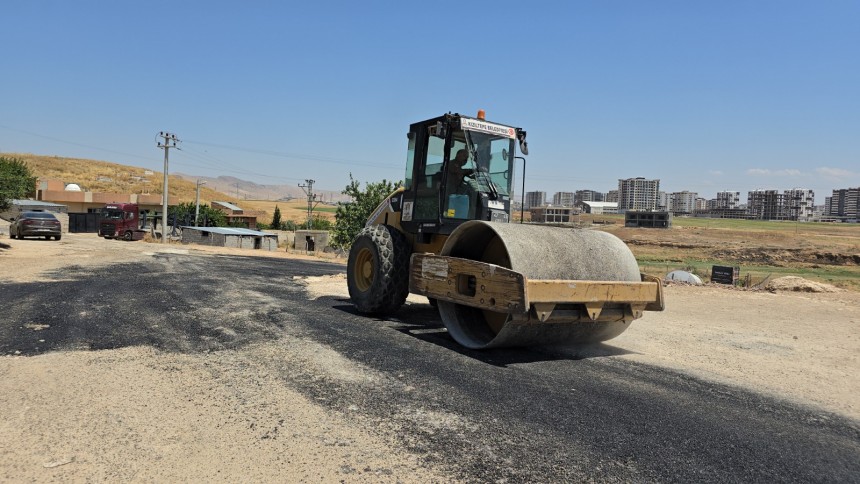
(209, 217)
(16, 181)
(276, 218)
(351, 216)
(319, 223)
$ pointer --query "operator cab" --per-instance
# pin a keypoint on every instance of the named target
(458, 169)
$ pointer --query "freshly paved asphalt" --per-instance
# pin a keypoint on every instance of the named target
(504, 415)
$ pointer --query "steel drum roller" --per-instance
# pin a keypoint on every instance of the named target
(539, 253)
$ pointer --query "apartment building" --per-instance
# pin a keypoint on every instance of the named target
(845, 202)
(800, 203)
(588, 196)
(637, 194)
(563, 199)
(662, 201)
(535, 199)
(682, 202)
(766, 205)
(611, 196)
(726, 199)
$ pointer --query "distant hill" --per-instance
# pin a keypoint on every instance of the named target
(245, 190)
(105, 176)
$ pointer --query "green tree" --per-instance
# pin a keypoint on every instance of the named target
(319, 223)
(276, 218)
(16, 181)
(209, 216)
(351, 216)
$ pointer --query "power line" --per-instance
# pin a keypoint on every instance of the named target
(340, 161)
(74, 143)
(205, 157)
(223, 166)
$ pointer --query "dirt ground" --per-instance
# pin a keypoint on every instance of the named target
(73, 415)
(789, 343)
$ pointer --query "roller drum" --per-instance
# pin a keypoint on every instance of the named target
(539, 253)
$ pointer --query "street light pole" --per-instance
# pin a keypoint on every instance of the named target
(197, 203)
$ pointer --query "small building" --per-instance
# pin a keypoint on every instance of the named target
(79, 201)
(311, 240)
(550, 214)
(237, 215)
(20, 206)
(657, 220)
(597, 208)
(230, 237)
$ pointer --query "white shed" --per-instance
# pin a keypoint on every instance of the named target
(230, 237)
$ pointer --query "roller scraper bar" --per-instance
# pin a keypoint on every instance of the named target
(494, 288)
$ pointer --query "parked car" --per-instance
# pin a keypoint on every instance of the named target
(36, 224)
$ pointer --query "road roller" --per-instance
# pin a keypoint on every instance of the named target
(447, 233)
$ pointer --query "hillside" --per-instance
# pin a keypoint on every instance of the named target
(245, 190)
(105, 176)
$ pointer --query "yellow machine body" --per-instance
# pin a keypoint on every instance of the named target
(496, 283)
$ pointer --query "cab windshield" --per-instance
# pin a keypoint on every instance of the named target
(494, 156)
(112, 215)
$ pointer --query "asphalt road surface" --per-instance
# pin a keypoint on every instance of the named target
(495, 416)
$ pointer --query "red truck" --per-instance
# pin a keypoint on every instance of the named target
(121, 221)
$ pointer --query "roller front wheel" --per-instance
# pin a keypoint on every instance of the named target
(377, 272)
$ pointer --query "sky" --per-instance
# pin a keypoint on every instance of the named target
(705, 96)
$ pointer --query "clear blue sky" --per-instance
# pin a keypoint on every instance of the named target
(705, 96)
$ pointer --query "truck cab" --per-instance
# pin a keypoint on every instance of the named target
(121, 221)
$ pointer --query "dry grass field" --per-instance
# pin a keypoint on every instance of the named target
(295, 210)
(824, 252)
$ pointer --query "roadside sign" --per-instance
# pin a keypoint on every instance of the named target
(725, 274)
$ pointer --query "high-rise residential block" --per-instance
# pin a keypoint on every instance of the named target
(637, 194)
(563, 199)
(726, 199)
(535, 199)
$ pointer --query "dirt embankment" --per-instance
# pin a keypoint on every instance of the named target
(764, 255)
(779, 257)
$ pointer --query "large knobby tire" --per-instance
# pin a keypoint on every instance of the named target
(377, 273)
(127, 235)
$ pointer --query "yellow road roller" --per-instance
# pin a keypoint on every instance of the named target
(447, 234)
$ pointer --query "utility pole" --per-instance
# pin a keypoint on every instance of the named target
(169, 141)
(311, 197)
(197, 201)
